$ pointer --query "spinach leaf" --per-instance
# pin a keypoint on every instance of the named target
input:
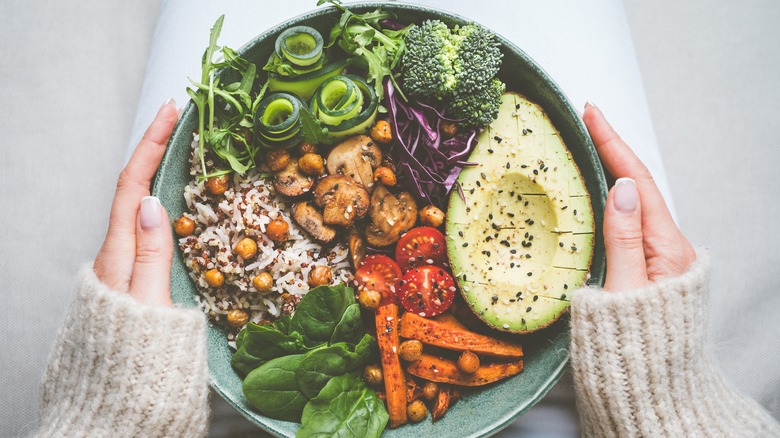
(273, 389)
(319, 366)
(319, 311)
(350, 327)
(345, 407)
(258, 344)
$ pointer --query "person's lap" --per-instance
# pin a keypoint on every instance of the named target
(588, 61)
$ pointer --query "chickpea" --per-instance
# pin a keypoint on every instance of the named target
(385, 175)
(307, 148)
(320, 276)
(184, 226)
(369, 298)
(431, 216)
(278, 159)
(468, 362)
(430, 390)
(381, 132)
(312, 164)
(410, 350)
(278, 230)
(246, 248)
(263, 282)
(217, 185)
(416, 411)
(372, 374)
(214, 278)
(449, 129)
(237, 318)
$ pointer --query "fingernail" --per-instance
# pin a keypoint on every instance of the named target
(589, 104)
(150, 213)
(168, 102)
(626, 195)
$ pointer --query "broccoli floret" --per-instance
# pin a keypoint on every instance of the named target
(427, 67)
(479, 59)
(478, 108)
(456, 66)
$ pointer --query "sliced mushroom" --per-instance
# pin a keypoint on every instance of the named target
(343, 200)
(356, 157)
(391, 215)
(357, 248)
(290, 181)
(309, 218)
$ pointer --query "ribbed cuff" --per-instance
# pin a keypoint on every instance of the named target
(640, 370)
(122, 368)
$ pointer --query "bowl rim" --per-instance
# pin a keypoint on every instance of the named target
(514, 413)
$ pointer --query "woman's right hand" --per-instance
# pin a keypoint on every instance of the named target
(642, 242)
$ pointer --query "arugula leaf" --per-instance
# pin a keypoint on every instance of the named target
(378, 50)
(225, 112)
(313, 132)
(345, 407)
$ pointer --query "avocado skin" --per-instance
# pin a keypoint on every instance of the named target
(524, 238)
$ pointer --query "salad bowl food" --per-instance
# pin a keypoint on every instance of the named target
(479, 412)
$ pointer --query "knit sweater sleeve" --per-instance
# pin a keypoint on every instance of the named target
(640, 368)
(120, 368)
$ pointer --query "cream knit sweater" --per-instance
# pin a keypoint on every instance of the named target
(122, 369)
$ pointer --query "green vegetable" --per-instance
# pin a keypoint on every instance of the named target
(345, 407)
(319, 311)
(321, 365)
(300, 45)
(456, 66)
(305, 84)
(350, 327)
(479, 108)
(290, 361)
(225, 112)
(258, 344)
(273, 388)
(343, 106)
(277, 121)
(375, 49)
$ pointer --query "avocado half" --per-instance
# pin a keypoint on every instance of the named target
(523, 239)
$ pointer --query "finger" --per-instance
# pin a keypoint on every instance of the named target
(136, 177)
(621, 162)
(150, 281)
(626, 266)
(667, 252)
(114, 263)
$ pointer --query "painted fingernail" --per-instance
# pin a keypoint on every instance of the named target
(626, 195)
(150, 213)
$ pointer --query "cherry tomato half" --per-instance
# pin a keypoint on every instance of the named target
(379, 273)
(419, 247)
(427, 290)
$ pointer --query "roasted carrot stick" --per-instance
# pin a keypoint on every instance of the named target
(395, 380)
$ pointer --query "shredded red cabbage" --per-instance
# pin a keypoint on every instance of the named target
(423, 161)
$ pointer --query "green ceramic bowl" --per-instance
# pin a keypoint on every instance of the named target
(484, 411)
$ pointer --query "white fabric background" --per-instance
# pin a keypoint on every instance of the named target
(72, 75)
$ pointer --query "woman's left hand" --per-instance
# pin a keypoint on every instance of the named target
(136, 255)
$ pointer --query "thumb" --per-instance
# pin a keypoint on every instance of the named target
(626, 266)
(151, 278)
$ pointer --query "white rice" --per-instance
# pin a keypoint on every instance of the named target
(244, 211)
